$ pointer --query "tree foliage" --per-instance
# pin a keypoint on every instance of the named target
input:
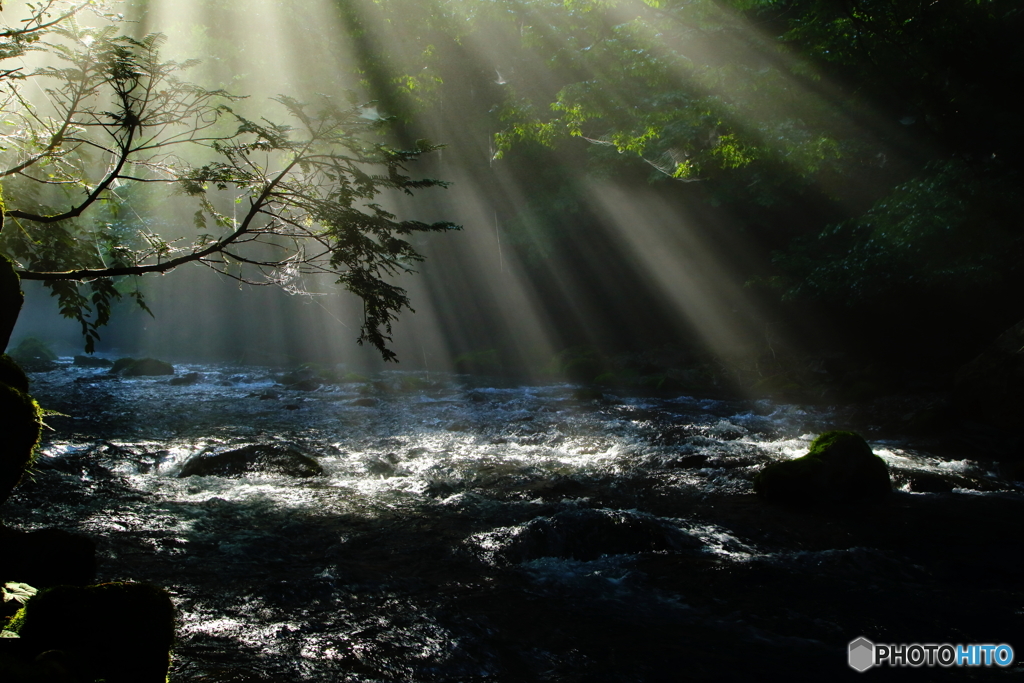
(275, 201)
(893, 116)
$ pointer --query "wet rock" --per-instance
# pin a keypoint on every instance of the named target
(695, 461)
(48, 557)
(302, 380)
(306, 385)
(838, 468)
(147, 367)
(587, 535)
(92, 362)
(254, 459)
(925, 482)
(187, 380)
(117, 632)
(121, 364)
(365, 402)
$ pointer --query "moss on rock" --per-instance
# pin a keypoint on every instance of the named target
(839, 468)
(34, 355)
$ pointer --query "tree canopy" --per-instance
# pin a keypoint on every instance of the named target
(870, 143)
(274, 201)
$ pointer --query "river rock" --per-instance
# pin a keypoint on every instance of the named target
(838, 468)
(116, 632)
(147, 367)
(92, 362)
(254, 459)
(187, 380)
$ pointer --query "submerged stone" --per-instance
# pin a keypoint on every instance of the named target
(254, 459)
(588, 534)
(187, 380)
(838, 468)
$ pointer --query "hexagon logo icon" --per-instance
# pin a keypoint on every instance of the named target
(862, 654)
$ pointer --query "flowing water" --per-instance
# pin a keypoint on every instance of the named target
(465, 531)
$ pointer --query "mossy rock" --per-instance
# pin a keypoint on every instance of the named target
(838, 468)
(20, 425)
(34, 355)
(117, 632)
(122, 364)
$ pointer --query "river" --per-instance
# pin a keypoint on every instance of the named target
(467, 530)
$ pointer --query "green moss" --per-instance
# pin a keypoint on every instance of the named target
(32, 349)
(837, 440)
(15, 623)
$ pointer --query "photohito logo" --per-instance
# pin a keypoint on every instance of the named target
(863, 654)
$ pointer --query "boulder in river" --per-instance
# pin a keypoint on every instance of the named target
(838, 468)
(254, 459)
(92, 362)
(146, 366)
